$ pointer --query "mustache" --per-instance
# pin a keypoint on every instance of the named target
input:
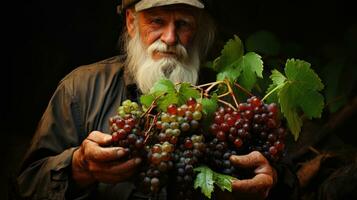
(179, 51)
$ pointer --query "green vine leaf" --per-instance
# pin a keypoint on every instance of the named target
(186, 91)
(162, 86)
(305, 85)
(278, 80)
(231, 73)
(231, 52)
(147, 100)
(233, 65)
(210, 105)
(297, 91)
(289, 111)
(223, 181)
(251, 65)
(204, 180)
(165, 101)
(207, 178)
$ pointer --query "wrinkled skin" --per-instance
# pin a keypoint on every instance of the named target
(94, 162)
(259, 185)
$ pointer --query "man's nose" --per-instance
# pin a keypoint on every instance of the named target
(169, 36)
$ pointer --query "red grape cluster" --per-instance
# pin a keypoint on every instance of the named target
(253, 126)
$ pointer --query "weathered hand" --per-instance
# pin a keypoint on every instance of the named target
(257, 187)
(94, 162)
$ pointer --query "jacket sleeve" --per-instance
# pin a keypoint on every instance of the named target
(45, 171)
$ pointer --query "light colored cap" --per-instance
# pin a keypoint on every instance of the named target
(146, 4)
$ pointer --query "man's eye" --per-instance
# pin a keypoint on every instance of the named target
(182, 24)
(157, 21)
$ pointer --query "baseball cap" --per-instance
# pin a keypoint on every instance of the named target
(146, 4)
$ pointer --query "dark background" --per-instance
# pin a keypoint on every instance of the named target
(45, 40)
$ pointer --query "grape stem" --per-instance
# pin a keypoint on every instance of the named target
(231, 92)
(213, 84)
(147, 135)
(243, 89)
(206, 84)
(201, 90)
(272, 91)
(227, 104)
(153, 105)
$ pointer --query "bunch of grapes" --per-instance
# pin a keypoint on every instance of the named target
(253, 126)
(126, 130)
(171, 128)
(174, 142)
(188, 155)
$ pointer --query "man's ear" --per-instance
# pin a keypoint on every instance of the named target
(130, 20)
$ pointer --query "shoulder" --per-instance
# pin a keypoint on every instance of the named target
(98, 74)
(106, 67)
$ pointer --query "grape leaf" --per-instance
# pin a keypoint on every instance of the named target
(251, 66)
(186, 91)
(147, 99)
(166, 93)
(233, 65)
(305, 85)
(231, 52)
(231, 73)
(165, 101)
(209, 105)
(223, 181)
(204, 180)
(163, 86)
(298, 91)
(299, 71)
(289, 111)
(277, 77)
(278, 80)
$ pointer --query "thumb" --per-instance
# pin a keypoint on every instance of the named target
(102, 139)
(251, 160)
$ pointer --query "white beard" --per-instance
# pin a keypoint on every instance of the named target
(183, 67)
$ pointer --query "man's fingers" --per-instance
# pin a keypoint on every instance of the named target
(100, 138)
(126, 166)
(93, 152)
(259, 183)
(114, 168)
(251, 160)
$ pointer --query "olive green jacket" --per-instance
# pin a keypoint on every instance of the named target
(83, 102)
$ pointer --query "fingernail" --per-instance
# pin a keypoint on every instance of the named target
(137, 160)
(121, 153)
(234, 158)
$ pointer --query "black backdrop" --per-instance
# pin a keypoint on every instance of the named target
(44, 40)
